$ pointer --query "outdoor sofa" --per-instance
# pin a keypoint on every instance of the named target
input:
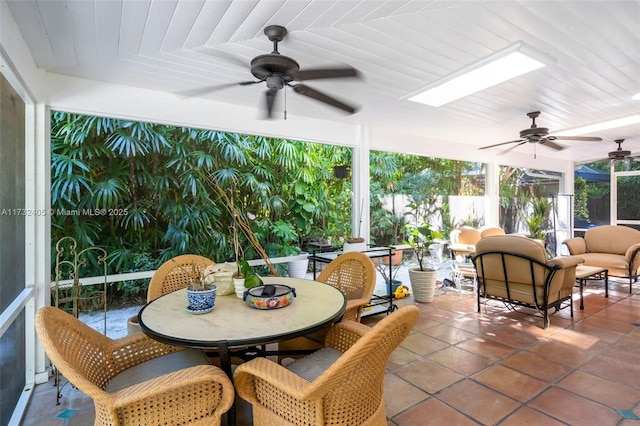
(613, 247)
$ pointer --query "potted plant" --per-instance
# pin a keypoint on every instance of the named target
(288, 246)
(423, 279)
(201, 293)
(382, 265)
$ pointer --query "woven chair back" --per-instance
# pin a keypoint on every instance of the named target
(76, 349)
(353, 272)
(172, 275)
(356, 380)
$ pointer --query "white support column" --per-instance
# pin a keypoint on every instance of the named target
(360, 217)
(37, 233)
(492, 192)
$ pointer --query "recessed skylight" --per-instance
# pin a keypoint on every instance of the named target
(593, 128)
(497, 68)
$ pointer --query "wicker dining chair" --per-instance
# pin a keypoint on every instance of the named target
(355, 275)
(340, 384)
(172, 276)
(135, 380)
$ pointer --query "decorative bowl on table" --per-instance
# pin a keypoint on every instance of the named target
(269, 296)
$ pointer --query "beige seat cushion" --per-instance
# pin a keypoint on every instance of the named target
(157, 367)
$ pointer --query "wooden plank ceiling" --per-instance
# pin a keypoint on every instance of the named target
(399, 46)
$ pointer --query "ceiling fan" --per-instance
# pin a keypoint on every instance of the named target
(621, 154)
(278, 71)
(540, 135)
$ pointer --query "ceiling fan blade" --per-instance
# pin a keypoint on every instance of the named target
(209, 89)
(575, 138)
(551, 145)
(319, 96)
(319, 73)
(501, 143)
(271, 98)
(514, 146)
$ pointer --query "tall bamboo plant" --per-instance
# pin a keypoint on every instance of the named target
(144, 182)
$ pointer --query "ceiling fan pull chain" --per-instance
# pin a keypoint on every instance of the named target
(285, 102)
(535, 151)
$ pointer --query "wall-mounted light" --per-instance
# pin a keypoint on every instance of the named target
(341, 172)
(503, 65)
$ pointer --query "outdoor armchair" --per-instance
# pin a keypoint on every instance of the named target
(134, 380)
(340, 384)
(489, 231)
(171, 276)
(515, 270)
(462, 242)
(355, 275)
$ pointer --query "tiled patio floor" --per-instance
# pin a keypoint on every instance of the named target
(497, 367)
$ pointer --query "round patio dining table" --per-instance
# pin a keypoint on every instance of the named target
(234, 325)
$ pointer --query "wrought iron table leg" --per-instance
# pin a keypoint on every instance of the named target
(225, 363)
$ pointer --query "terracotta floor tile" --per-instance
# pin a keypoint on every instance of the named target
(425, 324)
(601, 334)
(614, 371)
(578, 340)
(614, 395)
(476, 323)
(448, 333)
(440, 315)
(527, 416)
(561, 353)
(574, 409)
(400, 395)
(629, 342)
(624, 355)
(401, 356)
(621, 314)
(608, 324)
(536, 366)
(428, 375)
(432, 412)
(478, 402)
(486, 347)
(467, 369)
(510, 382)
(422, 344)
(459, 360)
(511, 336)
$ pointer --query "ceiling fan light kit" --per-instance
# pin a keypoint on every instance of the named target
(279, 71)
(504, 65)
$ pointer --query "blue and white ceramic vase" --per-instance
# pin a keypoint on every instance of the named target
(201, 301)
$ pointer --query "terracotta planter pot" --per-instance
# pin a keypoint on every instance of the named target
(396, 258)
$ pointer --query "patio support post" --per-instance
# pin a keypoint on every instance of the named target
(360, 216)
